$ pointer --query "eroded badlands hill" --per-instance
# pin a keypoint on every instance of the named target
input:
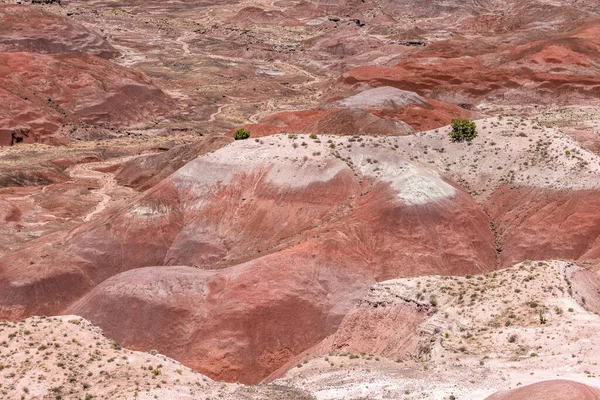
(558, 70)
(291, 230)
(342, 224)
(383, 110)
(30, 29)
(55, 81)
(45, 98)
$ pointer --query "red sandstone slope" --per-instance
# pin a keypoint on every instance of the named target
(535, 223)
(379, 111)
(243, 322)
(144, 172)
(30, 29)
(550, 390)
(561, 69)
(337, 121)
(315, 232)
(41, 94)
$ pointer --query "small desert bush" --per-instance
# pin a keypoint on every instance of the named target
(241, 134)
(463, 129)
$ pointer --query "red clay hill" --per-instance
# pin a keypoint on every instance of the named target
(561, 69)
(380, 111)
(550, 390)
(280, 235)
(29, 29)
(53, 79)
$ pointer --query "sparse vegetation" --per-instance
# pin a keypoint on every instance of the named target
(463, 130)
(241, 134)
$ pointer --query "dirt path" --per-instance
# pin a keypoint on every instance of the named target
(87, 171)
(314, 78)
(129, 56)
(255, 118)
(214, 115)
(278, 64)
(184, 45)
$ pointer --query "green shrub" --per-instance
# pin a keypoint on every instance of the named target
(241, 134)
(433, 300)
(463, 129)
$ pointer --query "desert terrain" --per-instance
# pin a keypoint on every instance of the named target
(348, 249)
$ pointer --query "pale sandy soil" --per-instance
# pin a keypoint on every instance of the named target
(508, 150)
(68, 358)
(511, 150)
(482, 334)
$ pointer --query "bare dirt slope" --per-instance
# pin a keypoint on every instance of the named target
(474, 335)
(344, 219)
(289, 255)
(370, 208)
(67, 357)
(31, 29)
